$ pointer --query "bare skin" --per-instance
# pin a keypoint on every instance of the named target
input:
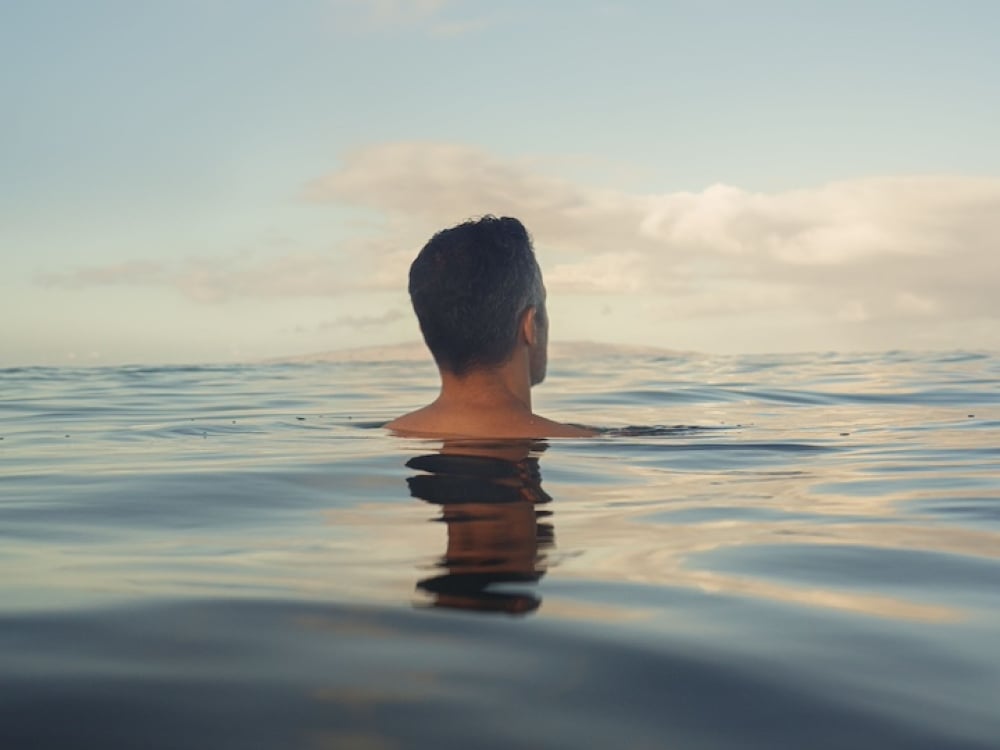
(492, 403)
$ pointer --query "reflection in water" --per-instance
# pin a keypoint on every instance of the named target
(489, 495)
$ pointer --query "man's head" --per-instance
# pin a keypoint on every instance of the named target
(477, 291)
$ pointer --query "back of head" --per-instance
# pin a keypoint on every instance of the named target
(469, 286)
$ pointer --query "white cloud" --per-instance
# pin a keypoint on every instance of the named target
(870, 250)
(220, 279)
(134, 272)
(885, 247)
(853, 311)
(608, 272)
(421, 187)
(915, 304)
(363, 321)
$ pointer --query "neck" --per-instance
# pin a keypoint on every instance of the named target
(506, 387)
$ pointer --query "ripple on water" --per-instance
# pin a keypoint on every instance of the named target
(939, 575)
(769, 551)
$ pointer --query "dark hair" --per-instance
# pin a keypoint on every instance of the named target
(469, 286)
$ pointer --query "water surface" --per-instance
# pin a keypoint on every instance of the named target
(760, 552)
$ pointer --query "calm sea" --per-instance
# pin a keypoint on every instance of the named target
(761, 552)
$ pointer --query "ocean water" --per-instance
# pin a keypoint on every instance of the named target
(759, 552)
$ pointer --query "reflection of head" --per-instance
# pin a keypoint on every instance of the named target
(463, 478)
(489, 503)
(471, 286)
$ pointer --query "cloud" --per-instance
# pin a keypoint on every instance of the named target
(881, 247)
(914, 249)
(607, 272)
(212, 280)
(363, 321)
(135, 272)
(423, 186)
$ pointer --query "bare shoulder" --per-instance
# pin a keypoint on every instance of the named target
(553, 429)
(431, 422)
(415, 422)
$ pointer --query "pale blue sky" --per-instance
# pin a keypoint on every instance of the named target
(218, 180)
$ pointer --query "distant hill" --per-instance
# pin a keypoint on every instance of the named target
(417, 352)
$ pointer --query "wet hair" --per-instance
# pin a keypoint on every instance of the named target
(469, 286)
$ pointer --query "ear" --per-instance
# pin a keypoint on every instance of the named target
(528, 328)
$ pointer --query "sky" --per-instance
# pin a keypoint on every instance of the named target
(187, 181)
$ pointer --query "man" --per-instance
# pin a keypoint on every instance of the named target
(478, 295)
